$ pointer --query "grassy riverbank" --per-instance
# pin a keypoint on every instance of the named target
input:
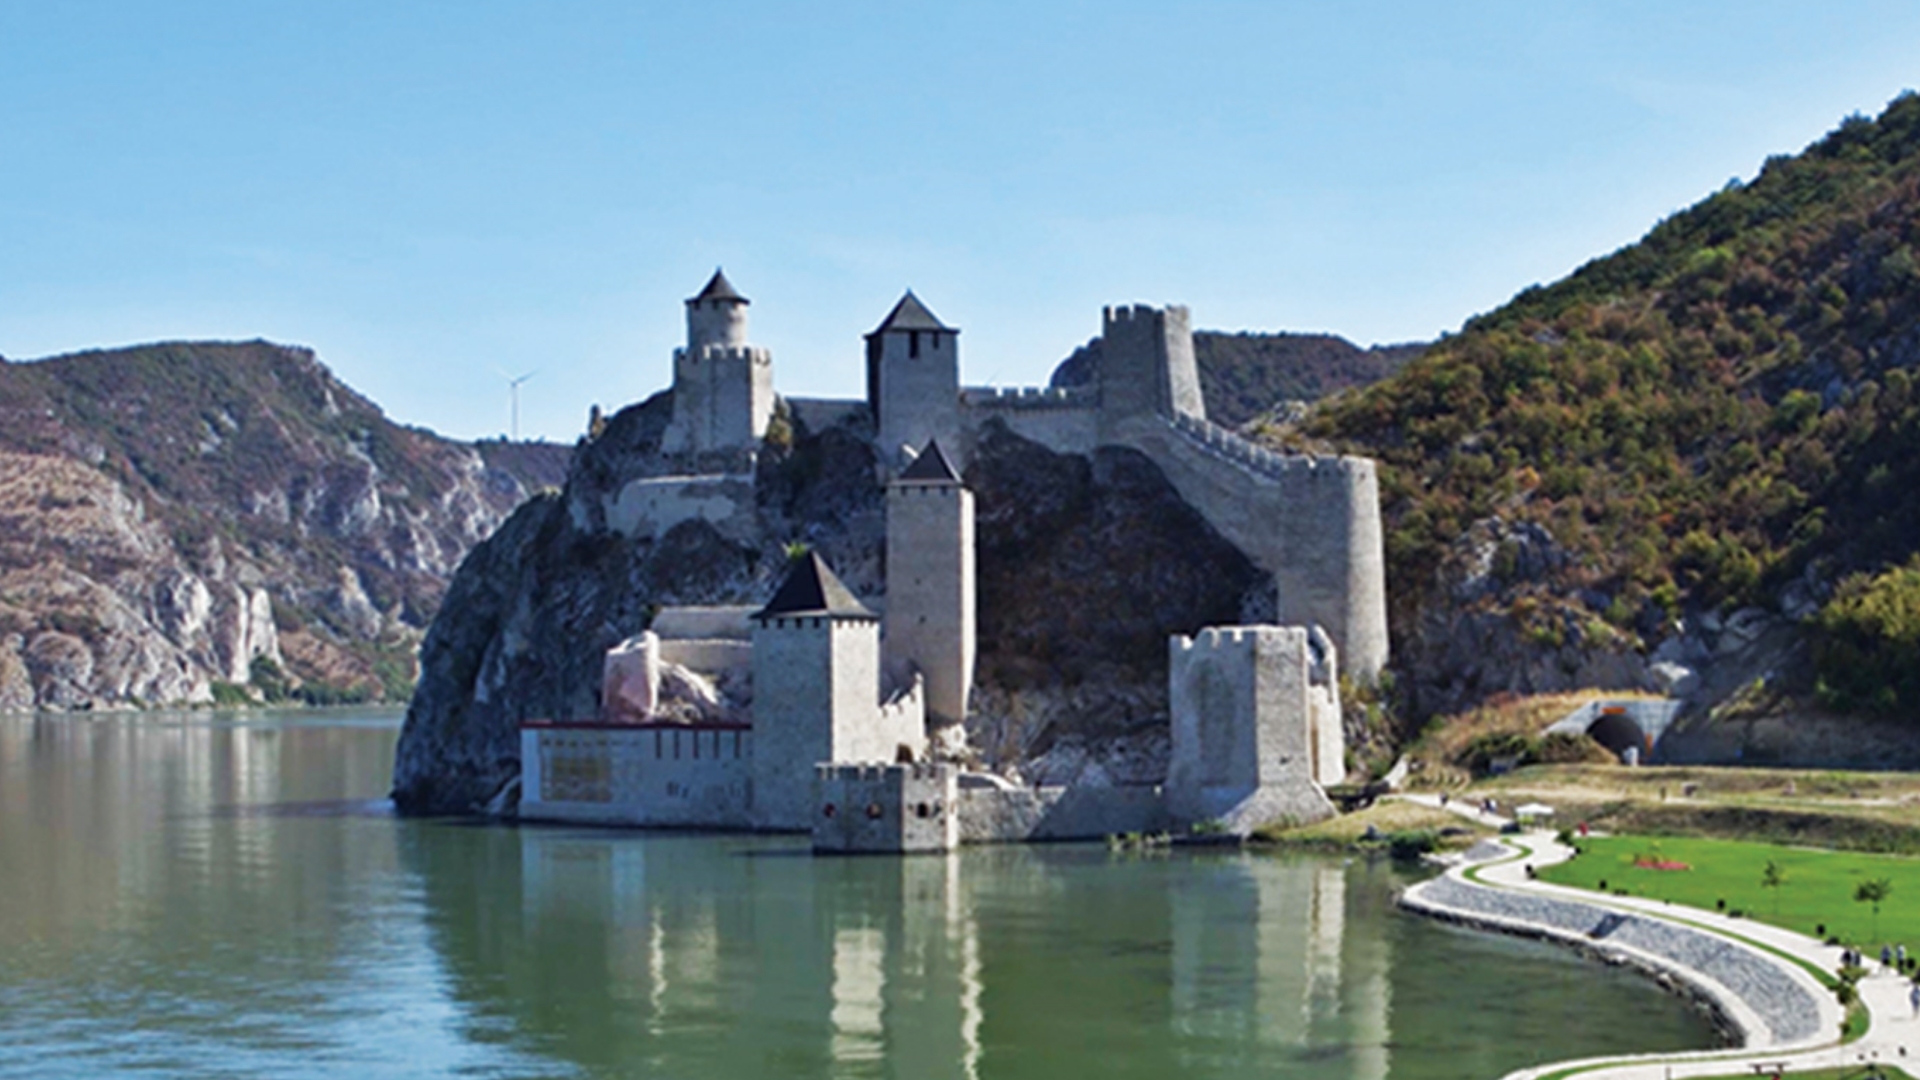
(1411, 823)
(1813, 891)
(1855, 811)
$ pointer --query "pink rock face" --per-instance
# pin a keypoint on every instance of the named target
(630, 681)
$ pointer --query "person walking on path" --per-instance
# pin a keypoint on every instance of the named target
(1900, 956)
(1913, 998)
(1886, 956)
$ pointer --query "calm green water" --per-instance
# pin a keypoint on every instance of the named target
(207, 896)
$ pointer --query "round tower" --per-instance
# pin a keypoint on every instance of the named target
(722, 386)
(717, 316)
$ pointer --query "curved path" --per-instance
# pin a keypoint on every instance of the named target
(1755, 976)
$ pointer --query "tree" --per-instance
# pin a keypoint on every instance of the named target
(1873, 892)
(1772, 877)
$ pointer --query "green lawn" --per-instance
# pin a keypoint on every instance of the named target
(1817, 886)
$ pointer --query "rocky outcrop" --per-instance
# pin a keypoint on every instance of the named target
(182, 520)
(1086, 565)
(1497, 620)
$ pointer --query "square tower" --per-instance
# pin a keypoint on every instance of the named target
(1147, 366)
(816, 690)
(886, 808)
(930, 624)
(913, 381)
(1254, 714)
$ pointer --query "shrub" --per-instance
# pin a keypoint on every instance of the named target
(230, 694)
(1567, 748)
(1480, 754)
(1866, 647)
(1407, 845)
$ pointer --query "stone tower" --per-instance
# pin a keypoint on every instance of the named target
(1147, 366)
(1256, 726)
(913, 381)
(722, 386)
(930, 584)
(816, 690)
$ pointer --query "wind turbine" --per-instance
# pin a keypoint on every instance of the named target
(513, 396)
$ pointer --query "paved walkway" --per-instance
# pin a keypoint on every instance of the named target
(1893, 1037)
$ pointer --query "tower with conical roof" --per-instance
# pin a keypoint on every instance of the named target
(913, 381)
(930, 621)
(722, 384)
(816, 690)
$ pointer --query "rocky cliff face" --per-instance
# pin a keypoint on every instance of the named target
(1086, 565)
(189, 520)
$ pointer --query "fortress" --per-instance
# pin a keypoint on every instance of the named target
(850, 708)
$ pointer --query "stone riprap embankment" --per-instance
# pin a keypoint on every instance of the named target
(1786, 1011)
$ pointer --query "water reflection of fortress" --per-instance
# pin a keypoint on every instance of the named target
(852, 711)
(920, 970)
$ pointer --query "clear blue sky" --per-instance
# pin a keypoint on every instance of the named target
(434, 194)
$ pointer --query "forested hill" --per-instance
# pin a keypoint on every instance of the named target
(188, 521)
(1718, 420)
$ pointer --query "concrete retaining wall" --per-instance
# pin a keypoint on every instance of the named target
(1752, 995)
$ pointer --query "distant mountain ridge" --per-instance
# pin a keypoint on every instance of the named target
(187, 521)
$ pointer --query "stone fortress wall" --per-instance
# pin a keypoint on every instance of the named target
(1312, 522)
(1256, 716)
(710, 640)
(638, 774)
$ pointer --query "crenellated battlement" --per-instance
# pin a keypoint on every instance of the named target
(878, 807)
(1030, 397)
(711, 354)
(880, 772)
(1226, 639)
(906, 709)
(1238, 450)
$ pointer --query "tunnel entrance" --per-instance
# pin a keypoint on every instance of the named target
(1618, 732)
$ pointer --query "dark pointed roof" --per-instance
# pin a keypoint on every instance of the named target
(911, 314)
(932, 466)
(810, 590)
(719, 288)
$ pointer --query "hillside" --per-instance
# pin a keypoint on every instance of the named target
(179, 521)
(1687, 464)
(1247, 375)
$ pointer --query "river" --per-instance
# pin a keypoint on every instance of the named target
(206, 894)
